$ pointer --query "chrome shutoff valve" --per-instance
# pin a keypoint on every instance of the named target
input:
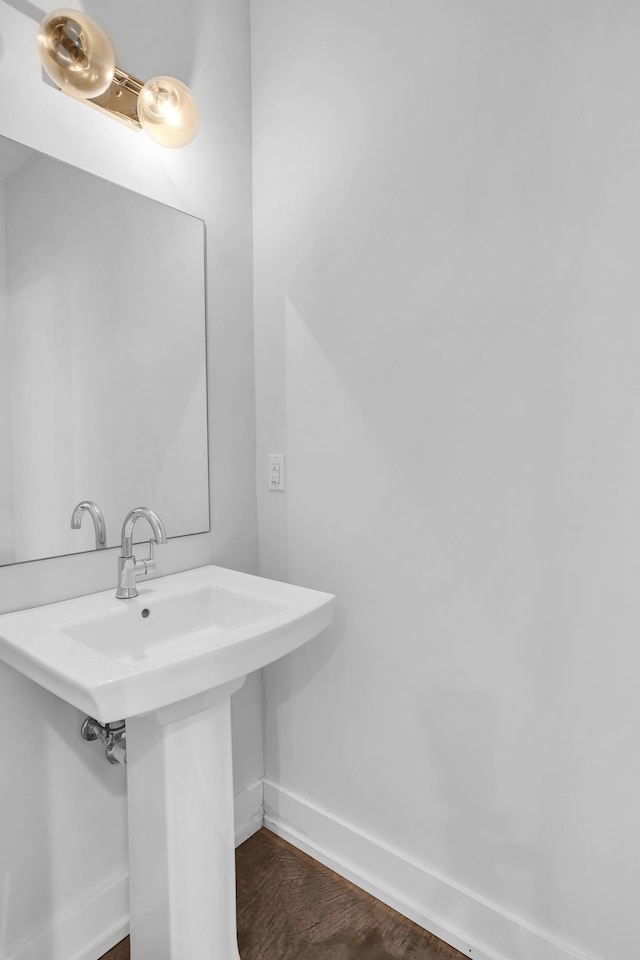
(113, 735)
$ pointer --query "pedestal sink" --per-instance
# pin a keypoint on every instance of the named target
(167, 662)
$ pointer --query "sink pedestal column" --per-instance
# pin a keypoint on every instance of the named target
(182, 888)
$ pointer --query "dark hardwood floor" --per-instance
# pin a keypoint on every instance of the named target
(292, 908)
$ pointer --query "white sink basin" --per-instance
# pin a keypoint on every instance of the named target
(184, 634)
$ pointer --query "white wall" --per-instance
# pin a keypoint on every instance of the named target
(447, 210)
(6, 520)
(62, 808)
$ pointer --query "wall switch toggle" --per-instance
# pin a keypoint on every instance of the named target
(275, 471)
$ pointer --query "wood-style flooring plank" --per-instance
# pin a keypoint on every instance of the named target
(292, 908)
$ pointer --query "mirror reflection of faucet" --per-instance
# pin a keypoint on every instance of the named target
(130, 569)
(95, 513)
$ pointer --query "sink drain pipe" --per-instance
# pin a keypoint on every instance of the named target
(113, 735)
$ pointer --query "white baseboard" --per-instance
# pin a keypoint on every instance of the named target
(473, 925)
(102, 920)
(86, 932)
(249, 810)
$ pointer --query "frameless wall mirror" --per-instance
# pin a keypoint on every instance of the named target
(103, 392)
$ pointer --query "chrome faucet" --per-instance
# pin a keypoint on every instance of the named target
(130, 569)
(95, 513)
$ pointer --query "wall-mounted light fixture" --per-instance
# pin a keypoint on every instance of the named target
(77, 55)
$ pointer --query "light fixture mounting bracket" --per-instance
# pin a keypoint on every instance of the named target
(119, 101)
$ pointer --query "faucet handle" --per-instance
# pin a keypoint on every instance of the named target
(146, 564)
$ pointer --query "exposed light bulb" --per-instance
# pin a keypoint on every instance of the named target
(76, 53)
(167, 112)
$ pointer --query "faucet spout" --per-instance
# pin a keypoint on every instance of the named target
(154, 521)
(95, 513)
(130, 569)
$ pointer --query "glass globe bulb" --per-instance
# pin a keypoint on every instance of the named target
(167, 112)
(76, 53)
